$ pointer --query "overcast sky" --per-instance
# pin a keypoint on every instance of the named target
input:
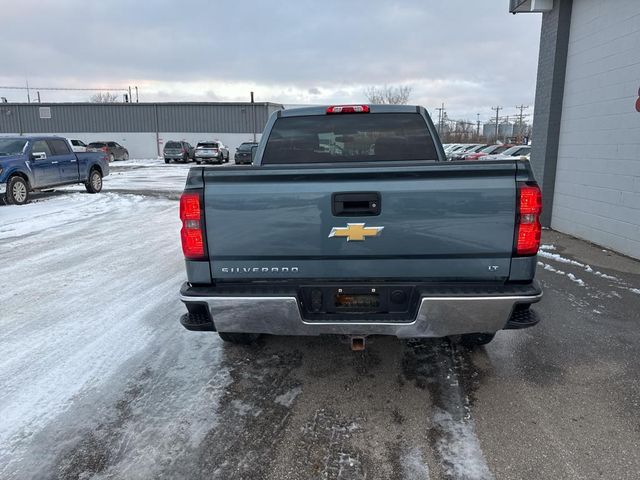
(469, 54)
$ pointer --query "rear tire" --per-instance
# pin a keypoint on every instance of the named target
(17, 191)
(94, 183)
(112, 158)
(125, 157)
(239, 338)
(476, 339)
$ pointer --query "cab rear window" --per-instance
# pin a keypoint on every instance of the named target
(350, 138)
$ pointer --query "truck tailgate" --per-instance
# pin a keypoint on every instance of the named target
(436, 222)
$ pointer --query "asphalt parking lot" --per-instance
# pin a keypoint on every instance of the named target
(100, 380)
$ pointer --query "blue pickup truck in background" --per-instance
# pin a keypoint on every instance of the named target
(32, 163)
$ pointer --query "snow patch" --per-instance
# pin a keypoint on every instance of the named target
(573, 278)
(287, 398)
(559, 258)
(607, 277)
(413, 465)
(243, 409)
(570, 276)
(587, 268)
(459, 448)
(547, 247)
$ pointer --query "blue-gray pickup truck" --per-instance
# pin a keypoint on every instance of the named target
(351, 222)
(32, 163)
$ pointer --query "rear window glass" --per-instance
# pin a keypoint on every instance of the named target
(208, 145)
(246, 146)
(173, 145)
(97, 145)
(350, 138)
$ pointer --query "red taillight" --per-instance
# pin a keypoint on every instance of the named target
(348, 109)
(191, 233)
(529, 228)
(104, 149)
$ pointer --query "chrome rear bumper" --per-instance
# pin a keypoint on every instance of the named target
(436, 317)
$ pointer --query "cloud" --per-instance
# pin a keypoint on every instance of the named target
(470, 55)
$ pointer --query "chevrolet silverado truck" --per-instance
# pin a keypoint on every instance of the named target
(29, 164)
(351, 222)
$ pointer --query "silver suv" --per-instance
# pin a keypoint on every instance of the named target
(212, 152)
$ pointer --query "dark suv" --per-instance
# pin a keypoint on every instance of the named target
(243, 153)
(178, 151)
(113, 150)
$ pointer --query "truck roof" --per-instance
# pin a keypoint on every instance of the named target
(322, 109)
(33, 137)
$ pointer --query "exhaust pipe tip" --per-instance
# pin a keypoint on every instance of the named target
(357, 344)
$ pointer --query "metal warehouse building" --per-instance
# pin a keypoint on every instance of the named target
(142, 128)
(586, 150)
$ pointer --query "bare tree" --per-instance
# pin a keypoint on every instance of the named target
(104, 97)
(388, 94)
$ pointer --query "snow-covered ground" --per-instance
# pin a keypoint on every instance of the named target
(87, 284)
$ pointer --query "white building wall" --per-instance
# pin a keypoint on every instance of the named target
(597, 189)
(144, 145)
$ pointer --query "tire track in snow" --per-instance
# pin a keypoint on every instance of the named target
(439, 366)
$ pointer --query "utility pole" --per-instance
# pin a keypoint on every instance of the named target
(136, 87)
(440, 118)
(253, 112)
(39, 96)
(129, 98)
(521, 119)
(497, 109)
(28, 95)
(478, 127)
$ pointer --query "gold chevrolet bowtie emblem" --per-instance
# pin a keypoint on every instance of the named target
(355, 232)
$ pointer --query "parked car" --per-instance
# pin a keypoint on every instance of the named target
(490, 150)
(178, 151)
(77, 145)
(510, 153)
(460, 149)
(113, 150)
(243, 153)
(211, 152)
(28, 164)
(462, 154)
(365, 239)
